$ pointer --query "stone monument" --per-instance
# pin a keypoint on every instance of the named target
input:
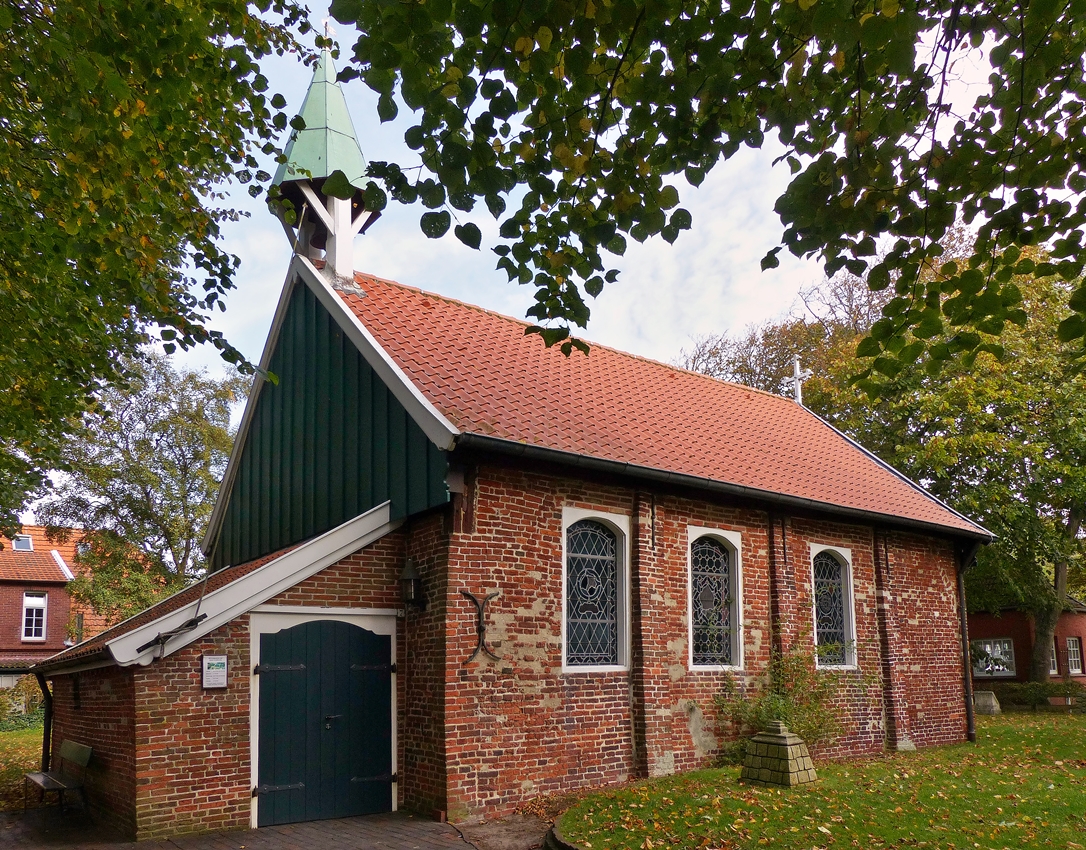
(985, 702)
(777, 757)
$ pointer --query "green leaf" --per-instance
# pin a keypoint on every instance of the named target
(469, 234)
(386, 108)
(414, 137)
(1077, 301)
(338, 186)
(770, 261)
(868, 347)
(1071, 328)
(374, 197)
(435, 224)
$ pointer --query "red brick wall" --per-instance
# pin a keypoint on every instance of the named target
(104, 721)
(519, 726)
(192, 745)
(12, 645)
(928, 654)
(423, 672)
(1071, 625)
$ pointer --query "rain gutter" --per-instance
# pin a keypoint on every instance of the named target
(967, 664)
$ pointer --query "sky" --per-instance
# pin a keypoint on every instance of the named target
(709, 281)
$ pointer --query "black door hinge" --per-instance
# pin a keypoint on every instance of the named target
(269, 789)
(391, 668)
(276, 668)
(381, 777)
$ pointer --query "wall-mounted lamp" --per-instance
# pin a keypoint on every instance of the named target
(411, 585)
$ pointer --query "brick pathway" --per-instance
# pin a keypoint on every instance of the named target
(48, 828)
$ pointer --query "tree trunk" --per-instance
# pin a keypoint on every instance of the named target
(1044, 627)
(1044, 621)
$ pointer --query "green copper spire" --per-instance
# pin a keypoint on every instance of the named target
(328, 142)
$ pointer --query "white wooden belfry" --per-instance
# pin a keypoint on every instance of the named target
(318, 224)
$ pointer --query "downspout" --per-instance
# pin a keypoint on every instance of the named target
(47, 727)
(967, 665)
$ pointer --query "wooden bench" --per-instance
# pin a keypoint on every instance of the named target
(72, 771)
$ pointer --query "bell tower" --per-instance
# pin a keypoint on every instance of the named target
(322, 178)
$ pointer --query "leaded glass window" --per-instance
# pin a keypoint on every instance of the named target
(592, 614)
(831, 627)
(711, 601)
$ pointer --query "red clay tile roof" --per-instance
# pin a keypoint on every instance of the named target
(39, 565)
(480, 370)
(95, 645)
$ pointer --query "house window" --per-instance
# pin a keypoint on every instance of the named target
(595, 606)
(993, 657)
(1053, 664)
(22, 543)
(831, 580)
(1074, 655)
(715, 594)
(33, 616)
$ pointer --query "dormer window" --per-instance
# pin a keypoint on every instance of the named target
(22, 543)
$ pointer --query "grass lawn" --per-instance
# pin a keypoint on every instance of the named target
(20, 752)
(1022, 785)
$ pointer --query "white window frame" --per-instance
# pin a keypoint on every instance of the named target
(43, 598)
(1053, 662)
(620, 525)
(733, 541)
(843, 555)
(1074, 653)
(986, 645)
(22, 538)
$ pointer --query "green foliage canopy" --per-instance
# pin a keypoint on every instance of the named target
(119, 120)
(589, 114)
(142, 479)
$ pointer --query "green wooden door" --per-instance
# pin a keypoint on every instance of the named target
(325, 723)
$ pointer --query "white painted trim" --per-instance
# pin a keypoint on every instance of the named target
(20, 538)
(263, 621)
(845, 556)
(43, 595)
(432, 421)
(326, 609)
(316, 204)
(620, 524)
(733, 540)
(63, 566)
(245, 593)
(226, 488)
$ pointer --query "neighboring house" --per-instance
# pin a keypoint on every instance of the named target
(1003, 645)
(454, 569)
(37, 618)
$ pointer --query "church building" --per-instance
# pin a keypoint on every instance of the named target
(452, 569)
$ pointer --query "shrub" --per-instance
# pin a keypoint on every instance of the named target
(791, 690)
(1032, 694)
(15, 722)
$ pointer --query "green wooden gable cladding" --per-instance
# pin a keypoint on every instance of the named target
(326, 443)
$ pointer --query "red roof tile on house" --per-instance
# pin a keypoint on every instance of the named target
(38, 565)
(480, 370)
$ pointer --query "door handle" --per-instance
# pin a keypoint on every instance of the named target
(328, 718)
